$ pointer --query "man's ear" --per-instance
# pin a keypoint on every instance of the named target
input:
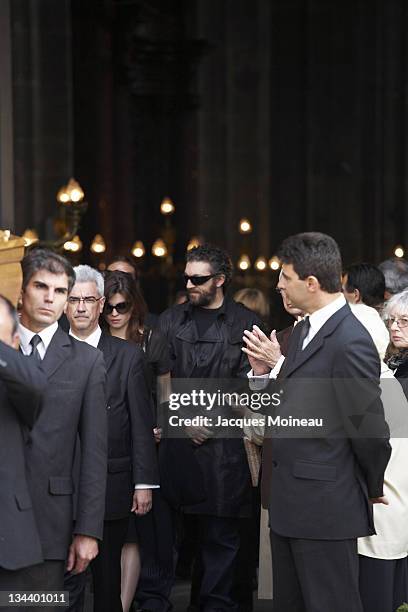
(312, 284)
(357, 295)
(101, 304)
(220, 280)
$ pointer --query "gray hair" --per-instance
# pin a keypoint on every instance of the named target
(398, 302)
(86, 274)
(395, 273)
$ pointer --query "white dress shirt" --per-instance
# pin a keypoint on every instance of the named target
(45, 334)
(321, 316)
(93, 340)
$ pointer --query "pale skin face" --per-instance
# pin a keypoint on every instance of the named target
(122, 266)
(208, 295)
(43, 300)
(6, 328)
(398, 335)
(84, 318)
(117, 322)
(295, 312)
(306, 294)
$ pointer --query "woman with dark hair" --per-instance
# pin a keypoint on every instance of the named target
(123, 317)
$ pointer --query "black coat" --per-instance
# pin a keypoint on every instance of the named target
(21, 387)
(220, 465)
(402, 374)
(320, 485)
(74, 404)
(131, 447)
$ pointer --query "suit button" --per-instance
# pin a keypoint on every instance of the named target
(275, 463)
(107, 407)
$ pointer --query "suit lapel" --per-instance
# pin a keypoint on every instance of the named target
(58, 351)
(297, 358)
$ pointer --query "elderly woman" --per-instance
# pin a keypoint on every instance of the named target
(383, 557)
(396, 316)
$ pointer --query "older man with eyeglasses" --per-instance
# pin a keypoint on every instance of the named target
(132, 464)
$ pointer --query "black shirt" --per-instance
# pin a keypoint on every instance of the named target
(204, 318)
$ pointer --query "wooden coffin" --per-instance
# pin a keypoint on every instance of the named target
(11, 253)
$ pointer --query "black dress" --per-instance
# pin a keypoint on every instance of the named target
(156, 350)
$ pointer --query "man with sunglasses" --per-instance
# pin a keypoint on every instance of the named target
(205, 339)
(132, 465)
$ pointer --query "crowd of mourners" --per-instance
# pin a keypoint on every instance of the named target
(97, 493)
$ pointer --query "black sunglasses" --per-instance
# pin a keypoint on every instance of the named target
(120, 308)
(197, 280)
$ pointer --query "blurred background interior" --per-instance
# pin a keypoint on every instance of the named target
(234, 121)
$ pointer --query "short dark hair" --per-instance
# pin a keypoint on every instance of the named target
(44, 259)
(369, 280)
(126, 259)
(218, 259)
(11, 311)
(314, 254)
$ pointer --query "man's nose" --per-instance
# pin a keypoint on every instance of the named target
(189, 284)
(49, 296)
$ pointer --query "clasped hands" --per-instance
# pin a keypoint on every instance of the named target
(263, 352)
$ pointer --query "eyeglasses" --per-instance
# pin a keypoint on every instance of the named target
(400, 322)
(89, 300)
(197, 280)
(120, 308)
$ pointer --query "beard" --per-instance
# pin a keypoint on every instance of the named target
(202, 297)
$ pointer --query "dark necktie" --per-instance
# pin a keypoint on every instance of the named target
(303, 332)
(35, 341)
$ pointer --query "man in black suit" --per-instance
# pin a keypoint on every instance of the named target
(74, 406)
(323, 488)
(132, 465)
(21, 387)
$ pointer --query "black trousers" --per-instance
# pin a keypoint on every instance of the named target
(75, 584)
(315, 575)
(47, 576)
(156, 535)
(383, 583)
(218, 549)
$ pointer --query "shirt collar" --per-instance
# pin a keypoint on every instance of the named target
(92, 339)
(319, 317)
(45, 334)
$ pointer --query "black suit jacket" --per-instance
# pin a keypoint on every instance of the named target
(131, 447)
(320, 485)
(21, 386)
(74, 404)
